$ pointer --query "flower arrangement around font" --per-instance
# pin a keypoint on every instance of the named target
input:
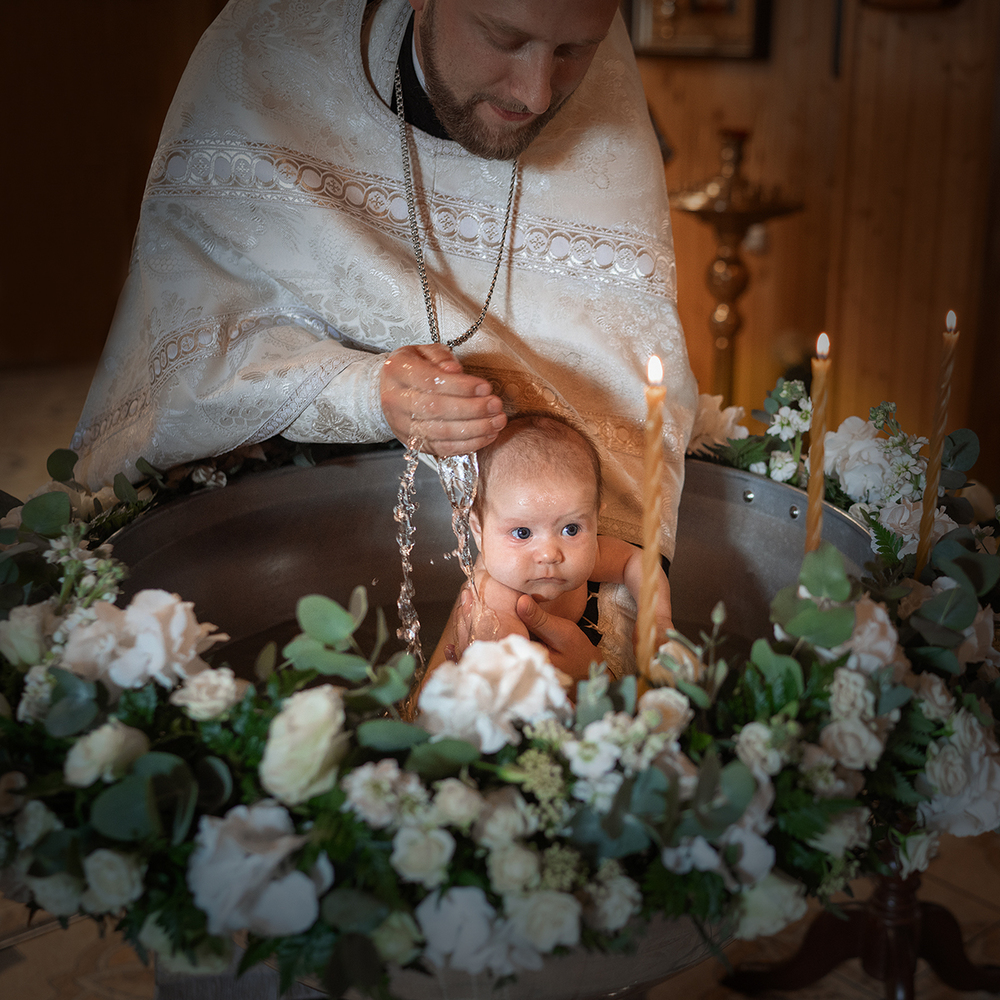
(142, 781)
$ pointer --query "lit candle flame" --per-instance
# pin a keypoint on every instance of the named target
(952, 321)
(822, 346)
(654, 371)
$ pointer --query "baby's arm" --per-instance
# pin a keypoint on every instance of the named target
(619, 562)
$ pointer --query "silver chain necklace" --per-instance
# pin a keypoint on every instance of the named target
(418, 252)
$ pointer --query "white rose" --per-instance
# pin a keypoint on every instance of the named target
(837, 443)
(372, 792)
(513, 868)
(305, 745)
(756, 855)
(505, 818)
(397, 939)
(456, 804)
(422, 856)
(208, 960)
(33, 822)
(967, 732)
(458, 927)
(209, 694)
(846, 831)
(852, 743)
(864, 471)
(107, 752)
(850, 695)
(59, 894)
(26, 633)
(91, 649)
(977, 809)
(241, 875)
(770, 905)
(916, 852)
(113, 880)
(753, 747)
(613, 902)
(666, 710)
(945, 769)
(544, 919)
(492, 688)
(936, 701)
(715, 426)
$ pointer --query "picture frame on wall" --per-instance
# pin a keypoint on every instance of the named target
(717, 29)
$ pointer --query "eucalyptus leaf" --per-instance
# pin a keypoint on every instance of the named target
(823, 627)
(955, 608)
(124, 490)
(587, 830)
(976, 570)
(441, 758)
(73, 704)
(174, 789)
(58, 851)
(626, 692)
(738, 785)
(951, 479)
(403, 663)
(961, 449)
(389, 686)
(47, 514)
(649, 795)
(351, 910)
(786, 604)
(325, 620)
(590, 710)
(357, 606)
(267, 660)
(893, 697)
(389, 735)
(823, 573)
(381, 635)
(944, 661)
(695, 694)
(308, 653)
(215, 783)
(777, 666)
(60, 463)
(127, 810)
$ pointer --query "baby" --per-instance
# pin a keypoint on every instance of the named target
(535, 525)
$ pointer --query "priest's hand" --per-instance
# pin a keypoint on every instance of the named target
(427, 397)
(569, 649)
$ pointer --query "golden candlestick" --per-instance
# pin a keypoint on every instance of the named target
(652, 498)
(949, 341)
(817, 436)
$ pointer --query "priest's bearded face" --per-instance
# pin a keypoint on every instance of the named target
(498, 70)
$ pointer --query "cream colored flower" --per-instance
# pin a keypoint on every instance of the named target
(613, 902)
(456, 804)
(874, 643)
(851, 743)
(209, 694)
(107, 752)
(903, 518)
(458, 927)
(754, 748)
(504, 819)
(397, 939)
(665, 710)
(945, 769)
(33, 822)
(936, 701)
(513, 868)
(544, 919)
(846, 831)
(26, 634)
(113, 880)
(714, 425)
(422, 856)
(305, 745)
(208, 960)
(682, 664)
(851, 696)
(770, 905)
(916, 852)
(59, 894)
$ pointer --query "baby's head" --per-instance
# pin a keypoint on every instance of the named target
(535, 514)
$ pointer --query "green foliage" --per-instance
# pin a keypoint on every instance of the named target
(124, 490)
(73, 705)
(60, 464)
(440, 759)
(390, 735)
(823, 574)
(47, 514)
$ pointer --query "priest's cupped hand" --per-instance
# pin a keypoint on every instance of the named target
(429, 400)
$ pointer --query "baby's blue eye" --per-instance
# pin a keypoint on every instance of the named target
(571, 530)
(522, 533)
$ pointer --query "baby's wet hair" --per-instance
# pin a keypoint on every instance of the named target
(544, 438)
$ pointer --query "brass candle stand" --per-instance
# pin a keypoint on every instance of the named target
(731, 205)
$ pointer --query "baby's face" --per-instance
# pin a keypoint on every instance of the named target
(538, 533)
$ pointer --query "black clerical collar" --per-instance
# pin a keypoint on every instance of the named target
(416, 104)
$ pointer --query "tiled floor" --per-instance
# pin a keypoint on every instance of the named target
(38, 411)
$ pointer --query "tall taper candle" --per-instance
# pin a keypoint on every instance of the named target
(949, 341)
(652, 497)
(817, 434)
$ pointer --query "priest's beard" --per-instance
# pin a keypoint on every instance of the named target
(459, 117)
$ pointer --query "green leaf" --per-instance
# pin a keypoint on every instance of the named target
(976, 570)
(587, 829)
(47, 514)
(325, 620)
(58, 851)
(215, 783)
(357, 606)
(127, 810)
(440, 759)
(649, 795)
(267, 660)
(60, 464)
(894, 697)
(696, 695)
(823, 627)
(738, 785)
(174, 789)
(823, 573)
(787, 604)
(955, 608)
(73, 705)
(943, 661)
(309, 653)
(390, 735)
(124, 490)
(961, 450)
(351, 910)
(777, 667)
(353, 962)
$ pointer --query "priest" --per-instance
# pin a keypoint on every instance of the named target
(400, 219)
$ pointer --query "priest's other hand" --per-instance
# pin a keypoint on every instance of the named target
(426, 396)
(569, 649)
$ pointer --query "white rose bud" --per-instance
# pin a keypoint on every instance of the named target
(397, 939)
(845, 831)
(305, 744)
(456, 804)
(505, 818)
(513, 868)
(108, 752)
(113, 880)
(422, 855)
(210, 694)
